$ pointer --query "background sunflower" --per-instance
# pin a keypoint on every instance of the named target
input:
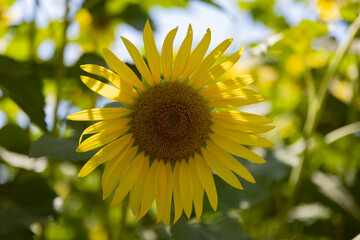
(301, 54)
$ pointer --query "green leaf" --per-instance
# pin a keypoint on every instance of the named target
(350, 11)
(299, 39)
(262, 10)
(147, 4)
(135, 16)
(266, 176)
(114, 105)
(32, 193)
(20, 82)
(19, 47)
(27, 199)
(61, 149)
(15, 139)
(213, 4)
(15, 223)
(217, 226)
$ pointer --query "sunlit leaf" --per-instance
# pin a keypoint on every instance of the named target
(262, 10)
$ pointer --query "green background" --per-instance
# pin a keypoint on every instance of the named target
(309, 188)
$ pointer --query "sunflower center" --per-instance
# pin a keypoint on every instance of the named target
(170, 121)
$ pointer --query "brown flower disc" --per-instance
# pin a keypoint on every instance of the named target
(170, 121)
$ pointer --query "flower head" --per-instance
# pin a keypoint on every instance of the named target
(177, 128)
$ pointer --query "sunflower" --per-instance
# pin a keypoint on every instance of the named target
(178, 126)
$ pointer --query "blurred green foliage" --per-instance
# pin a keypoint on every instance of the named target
(308, 189)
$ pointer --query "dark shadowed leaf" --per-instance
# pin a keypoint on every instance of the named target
(27, 199)
(22, 85)
(218, 226)
(135, 16)
(15, 138)
(266, 176)
(61, 149)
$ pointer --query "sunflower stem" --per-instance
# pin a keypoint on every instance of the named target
(124, 215)
(348, 176)
(60, 71)
(312, 120)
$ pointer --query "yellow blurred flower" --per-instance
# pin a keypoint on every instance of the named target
(288, 127)
(267, 75)
(317, 59)
(342, 90)
(84, 18)
(329, 10)
(295, 64)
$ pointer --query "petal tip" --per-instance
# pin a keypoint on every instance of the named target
(83, 66)
(82, 77)
(262, 161)
(106, 51)
(125, 40)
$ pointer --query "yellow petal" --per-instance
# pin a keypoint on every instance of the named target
(217, 71)
(138, 188)
(196, 56)
(207, 180)
(236, 99)
(149, 190)
(99, 114)
(123, 70)
(167, 54)
(115, 168)
(240, 126)
(101, 138)
(182, 56)
(227, 85)
(103, 125)
(236, 116)
(103, 155)
(220, 169)
(186, 188)
(128, 179)
(230, 161)
(235, 148)
(160, 189)
(139, 61)
(152, 53)
(209, 60)
(198, 189)
(233, 94)
(106, 90)
(178, 205)
(111, 76)
(242, 138)
(167, 206)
